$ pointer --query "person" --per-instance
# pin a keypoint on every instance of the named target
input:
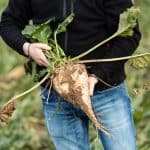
(94, 21)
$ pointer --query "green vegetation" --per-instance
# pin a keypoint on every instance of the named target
(27, 130)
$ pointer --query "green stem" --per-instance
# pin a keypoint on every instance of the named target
(113, 59)
(56, 44)
(30, 90)
(100, 44)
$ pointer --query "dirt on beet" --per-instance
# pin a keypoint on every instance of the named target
(71, 82)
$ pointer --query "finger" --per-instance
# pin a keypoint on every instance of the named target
(93, 79)
(41, 63)
(42, 46)
(92, 82)
(45, 62)
(44, 58)
(91, 89)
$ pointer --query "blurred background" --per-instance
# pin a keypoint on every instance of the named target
(27, 130)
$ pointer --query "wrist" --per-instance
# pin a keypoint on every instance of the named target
(26, 48)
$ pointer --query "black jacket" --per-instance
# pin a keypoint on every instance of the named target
(94, 21)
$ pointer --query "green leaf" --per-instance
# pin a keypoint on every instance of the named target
(140, 62)
(40, 33)
(62, 27)
(29, 30)
(128, 21)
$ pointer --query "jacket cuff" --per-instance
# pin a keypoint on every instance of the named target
(19, 49)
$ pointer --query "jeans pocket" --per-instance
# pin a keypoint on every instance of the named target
(120, 86)
(48, 95)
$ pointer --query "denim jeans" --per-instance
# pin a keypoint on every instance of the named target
(68, 125)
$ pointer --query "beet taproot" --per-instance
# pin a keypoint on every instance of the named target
(71, 82)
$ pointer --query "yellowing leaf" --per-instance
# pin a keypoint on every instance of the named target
(140, 62)
(128, 21)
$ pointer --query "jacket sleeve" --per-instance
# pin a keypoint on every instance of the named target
(14, 18)
(119, 46)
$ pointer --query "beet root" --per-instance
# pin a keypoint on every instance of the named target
(71, 82)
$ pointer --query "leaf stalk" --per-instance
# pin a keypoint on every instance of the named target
(29, 90)
(100, 44)
(113, 59)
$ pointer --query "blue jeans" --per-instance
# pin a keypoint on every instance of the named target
(68, 125)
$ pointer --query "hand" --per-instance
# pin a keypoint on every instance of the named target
(35, 51)
(92, 82)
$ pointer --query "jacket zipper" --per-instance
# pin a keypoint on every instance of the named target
(66, 33)
(72, 6)
(64, 15)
